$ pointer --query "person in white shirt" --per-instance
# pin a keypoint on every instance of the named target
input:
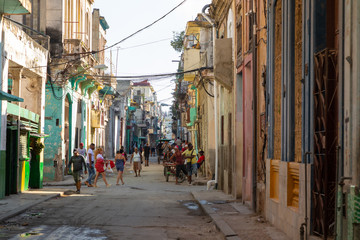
(90, 164)
(136, 158)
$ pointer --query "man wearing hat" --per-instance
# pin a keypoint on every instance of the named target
(78, 162)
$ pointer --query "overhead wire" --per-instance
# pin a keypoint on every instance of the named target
(154, 75)
(136, 32)
(140, 45)
(111, 46)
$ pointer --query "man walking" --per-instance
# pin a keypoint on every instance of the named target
(82, 152)
(147, 154)
(90, 165)
(78, 162)
(190, 157)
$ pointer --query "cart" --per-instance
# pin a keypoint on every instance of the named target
(170, 170)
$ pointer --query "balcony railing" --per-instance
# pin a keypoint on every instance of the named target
(74, 47)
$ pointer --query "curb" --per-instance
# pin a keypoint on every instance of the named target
(220, 224)
(22, 209)
(59, 184)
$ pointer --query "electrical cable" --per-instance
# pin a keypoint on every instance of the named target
(106, 48)
(154, 75)
(140, 45)
(136, 32)
(206, 89)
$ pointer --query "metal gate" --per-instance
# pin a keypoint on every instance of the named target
(325, 142)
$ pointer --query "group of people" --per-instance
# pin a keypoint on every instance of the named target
(185, 158)
(93, 162)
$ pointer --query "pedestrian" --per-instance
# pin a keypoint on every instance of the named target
(124, 153)
(78, 162)
(158, 148)
(146, 154)
(190, 157)
(178, 142)
(152, 149)
(166, 149)
(120, 163)
(200, 161)
(179, 161)
(183, 144)
(136, 158)
(90, 159)
(82, 152)
(99, 165)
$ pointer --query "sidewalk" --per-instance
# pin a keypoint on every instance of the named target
(235, 220)
(18, 203)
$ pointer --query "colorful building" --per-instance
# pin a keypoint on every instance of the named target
(22, 102)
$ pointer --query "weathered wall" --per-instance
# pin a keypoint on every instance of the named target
(54, 152)
(261, 137)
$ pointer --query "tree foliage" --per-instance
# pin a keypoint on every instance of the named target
(178, 41)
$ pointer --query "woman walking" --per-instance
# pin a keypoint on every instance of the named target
(120, 161)
(136, 158)
(99, 165)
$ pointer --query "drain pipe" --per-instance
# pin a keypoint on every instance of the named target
(304, 224)
(213, 182)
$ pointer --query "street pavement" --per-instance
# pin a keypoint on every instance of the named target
(146, 207)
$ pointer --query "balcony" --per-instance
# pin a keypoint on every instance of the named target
(73, 47)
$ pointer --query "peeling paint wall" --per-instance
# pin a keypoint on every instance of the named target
(54, 147)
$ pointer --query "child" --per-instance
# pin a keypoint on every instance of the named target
(201, 159)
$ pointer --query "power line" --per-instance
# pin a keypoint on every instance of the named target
(140, 45)
(154, 75)
(133, 34)
(111, 46)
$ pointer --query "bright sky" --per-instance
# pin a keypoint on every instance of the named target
(126, 17)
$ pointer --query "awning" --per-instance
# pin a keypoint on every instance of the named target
(9, 97)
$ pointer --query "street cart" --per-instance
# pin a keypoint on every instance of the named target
(170, 170)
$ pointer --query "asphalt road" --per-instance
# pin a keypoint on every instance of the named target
(146, 207)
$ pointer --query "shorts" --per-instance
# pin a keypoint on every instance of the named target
(77, 176)
(191, 169)
(119, 165)
(147, 157)
(180, 168)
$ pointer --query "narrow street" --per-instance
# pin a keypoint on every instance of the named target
(146, 207)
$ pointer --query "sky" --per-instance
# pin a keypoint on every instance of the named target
(126, 17)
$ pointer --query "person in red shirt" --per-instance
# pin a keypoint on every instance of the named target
(201, 159)
(179, 163)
